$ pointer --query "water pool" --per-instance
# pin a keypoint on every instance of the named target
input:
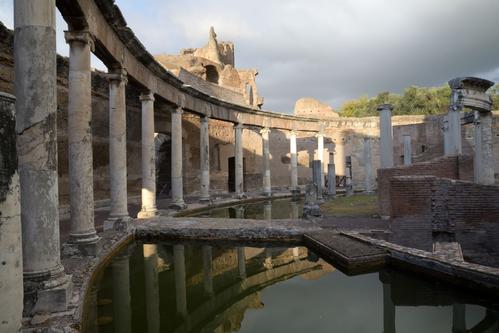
(286, 208)
(207, 287)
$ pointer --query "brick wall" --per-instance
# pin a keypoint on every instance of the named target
(443, 167)
(411, 196)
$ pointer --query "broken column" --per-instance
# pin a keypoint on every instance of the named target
(238, 153)
(339, 156)
(294, 163)
(46, 287)
(407, 150)
(470, 92)
(386, 135)
(204, 158)
(267, 189)
(81, 183)
(148, 157)
(368, 168)
(349, 175)
(177, 172)
(11, 286)
(316, 176)
(331, 176)
(118, 216)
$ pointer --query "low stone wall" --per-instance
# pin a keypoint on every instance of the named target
(452, 167)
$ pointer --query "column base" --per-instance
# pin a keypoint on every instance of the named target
(118, 223)
(47, 292)
(240, 196)
(144, 214)
(178, 205)
(205, 200)
(82, 246)
(267, 194)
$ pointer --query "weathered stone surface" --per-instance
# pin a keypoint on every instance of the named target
(310, 107)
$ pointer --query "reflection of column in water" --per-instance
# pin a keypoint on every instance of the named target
(294, 210)
(388, 309)
(458, 318)
(268, 259)
(241, 262)
(239, 212)
(179, 268)
(207, 270)
(122, 312)
(152, 287)
(296, 252)
(267, 210)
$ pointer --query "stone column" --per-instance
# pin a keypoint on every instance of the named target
(455, 141)
(316, 175)
(180, 288)
(204, 157)
(151, 287)
(483, 156)
(177, 171)
(122, 307)
(81, 180)
(207, 270)
(11, 287)
(118, 217)
(349, 176)
(47, 288)
(407, 150)
(320, 157)
(294, 163)
(386, 135)
(267, 188)
(388, 309)
(238, 153)
(368, 172)
(331, 176)
(339, 157)
(148, 157)
(445, 130)
(241, 262)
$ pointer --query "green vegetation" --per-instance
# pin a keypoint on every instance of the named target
(414, 100)
(359, 205)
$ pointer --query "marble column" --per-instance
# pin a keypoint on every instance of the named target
(81, 180)
(368, 168)
(320, 156)
(122, 307)
(407, 150)
(483, 155)
(180, 286)
(294, 163)
(11, 286)
(47, 288)
(177, 171)
(386, 135)
(151, 287)
(148, 157)
(340, 157)
(118, 216)
(267, 188)
(207, 269)
(204, 157)
(241, 262)
(388, 309)
(238, 153)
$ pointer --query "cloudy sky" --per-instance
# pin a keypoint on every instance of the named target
(328, 49)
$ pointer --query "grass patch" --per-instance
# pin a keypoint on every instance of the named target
(359, 205)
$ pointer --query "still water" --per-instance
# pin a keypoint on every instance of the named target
(206, 287)
(287, 208)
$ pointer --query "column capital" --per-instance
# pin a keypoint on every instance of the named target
(82, 36)
(470, 92)
(238, 125)
(293, 133)
(147, 96)
(117, 74)
(265, 132)
(320, 134)
(204, 118)
(178, 110)
(385, 107)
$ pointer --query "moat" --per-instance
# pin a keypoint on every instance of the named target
(217, 287)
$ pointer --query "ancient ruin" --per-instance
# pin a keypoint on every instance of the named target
(103, 173)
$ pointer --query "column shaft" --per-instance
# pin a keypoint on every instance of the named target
(117, 146)
(204, 157)
(340, 157)
(368, 168)
(386, 137)
(320, 157)
(407, 150)
(238, 153)
(177, 171)
(36, 126)
(148, 157)
(455, 144)
(294, 163)
(483, 156)
(81, 183)
(267, 188)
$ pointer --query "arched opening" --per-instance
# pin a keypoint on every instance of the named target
(212, 74)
